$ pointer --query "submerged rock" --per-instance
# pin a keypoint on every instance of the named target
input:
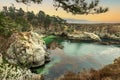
(27, 49)
(84, 36)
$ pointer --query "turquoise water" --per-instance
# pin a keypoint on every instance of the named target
(78, 56)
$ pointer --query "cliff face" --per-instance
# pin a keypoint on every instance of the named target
(27, 49)
(110, 31)
(83, 36)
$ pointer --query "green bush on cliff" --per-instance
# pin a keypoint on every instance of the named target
(9, 25)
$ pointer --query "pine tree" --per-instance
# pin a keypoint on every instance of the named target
(75, 6)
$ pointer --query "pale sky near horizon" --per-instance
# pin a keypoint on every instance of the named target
(113, 15)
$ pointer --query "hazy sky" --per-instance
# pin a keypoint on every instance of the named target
(113, 15)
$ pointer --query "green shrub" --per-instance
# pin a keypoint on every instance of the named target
(9, 25)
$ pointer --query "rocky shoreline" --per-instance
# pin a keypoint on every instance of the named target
(83, 36)
(29, 50)
(87, 37)
(91, 32)
(109, 31)
(22, 51)
(12, 72)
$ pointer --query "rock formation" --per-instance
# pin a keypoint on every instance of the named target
(27, 49)
(10, 72)
(84, 36)
(109, 31)
(1, 60)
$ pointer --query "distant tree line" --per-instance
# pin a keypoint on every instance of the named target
(43, 20)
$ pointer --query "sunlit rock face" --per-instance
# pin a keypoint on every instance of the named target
(1, 60)
(84, 36)
(109, 31)
(27, 49)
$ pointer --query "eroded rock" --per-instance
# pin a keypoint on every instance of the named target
(27, 49)
(1, 60)
(109, 31)
(84, 36)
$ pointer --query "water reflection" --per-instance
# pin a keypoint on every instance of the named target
(77, 56)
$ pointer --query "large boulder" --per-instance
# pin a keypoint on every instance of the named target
(84, 36)
(27, 49)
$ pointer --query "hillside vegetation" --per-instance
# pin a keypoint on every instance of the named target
(17, 20)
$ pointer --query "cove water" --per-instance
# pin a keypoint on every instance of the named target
(78, 56)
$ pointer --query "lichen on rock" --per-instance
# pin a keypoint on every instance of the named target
(27, 49)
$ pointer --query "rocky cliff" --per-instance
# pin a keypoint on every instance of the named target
(27, 49)
(109, 31)
(84, 36)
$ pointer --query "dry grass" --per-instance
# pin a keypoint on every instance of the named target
(109, 72)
